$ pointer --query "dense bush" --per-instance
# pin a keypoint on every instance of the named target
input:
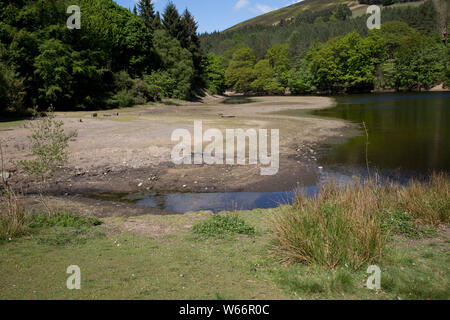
(44, 64)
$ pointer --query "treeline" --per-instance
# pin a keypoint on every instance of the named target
(335, 56)
(118, 58)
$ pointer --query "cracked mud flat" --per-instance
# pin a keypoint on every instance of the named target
(131, 152)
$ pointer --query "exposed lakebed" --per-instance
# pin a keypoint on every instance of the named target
(408, 137)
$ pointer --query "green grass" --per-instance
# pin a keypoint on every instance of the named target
(118, 264)
(5, 125)
(64, 219)
(223, 225)
(237, 255)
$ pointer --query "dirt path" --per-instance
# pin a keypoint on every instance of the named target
(131, 152)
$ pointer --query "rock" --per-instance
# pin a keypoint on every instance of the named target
(288, 91)
(5, 175)
(140, 184)
(94, 115)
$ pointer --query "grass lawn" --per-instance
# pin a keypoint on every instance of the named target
(160, 257)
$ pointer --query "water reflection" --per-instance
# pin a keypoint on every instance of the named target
(216, 202)
(408, 132)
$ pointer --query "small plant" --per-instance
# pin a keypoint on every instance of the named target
(48, 146)
(13, 217)
(337, 228)
(64, 219)
(401, 223)
(220, 225)
(14, 220)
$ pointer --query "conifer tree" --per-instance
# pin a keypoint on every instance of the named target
(171, 21)
(146, 12)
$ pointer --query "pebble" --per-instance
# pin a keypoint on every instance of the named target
(140, 184)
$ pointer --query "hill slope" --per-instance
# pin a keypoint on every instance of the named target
(287, 13)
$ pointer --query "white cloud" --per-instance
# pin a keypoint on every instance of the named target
(241, 4)
(262, 8)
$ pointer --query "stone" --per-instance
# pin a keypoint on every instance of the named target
(5, 175)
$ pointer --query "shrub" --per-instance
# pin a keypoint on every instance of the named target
(350, 225)
(427, 202)
(14, 220)
(64, 219)
(11, 90)
(220, 225)
(121, 99)
(337, 228)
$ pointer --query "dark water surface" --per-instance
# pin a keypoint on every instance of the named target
(216, 202)
(237, 100)
(408, 133)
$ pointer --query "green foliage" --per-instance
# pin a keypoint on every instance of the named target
(401, 223)
(419, 63)
(52, 67)
(64, 219)
(214, 72)
(11, 90)
(48, 146)
(44, 64)
(279, 60)
(301, 78)
(326, 50)
(348, 62)
(172, 22)
(146, 11)
(14, 219)
(178, 63)
(121, 99)
(222, 225)
(266, 78)
(239, 74)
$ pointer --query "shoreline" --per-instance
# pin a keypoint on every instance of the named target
(131, 153)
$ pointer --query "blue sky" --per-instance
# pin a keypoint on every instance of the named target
(219, 14)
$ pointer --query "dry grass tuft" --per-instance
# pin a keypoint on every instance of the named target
(346, 225)
(14, 220)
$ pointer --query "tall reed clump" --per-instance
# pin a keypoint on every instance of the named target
(13, 218)
(350, 225)
(340, 227)
(427, 202)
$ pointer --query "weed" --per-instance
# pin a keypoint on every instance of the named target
(220, 225)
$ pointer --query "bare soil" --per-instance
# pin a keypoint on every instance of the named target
(131, 152)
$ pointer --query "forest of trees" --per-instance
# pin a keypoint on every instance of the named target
(118, 58)
(328, 51)
(123, 57)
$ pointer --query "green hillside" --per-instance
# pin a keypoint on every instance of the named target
(287, 13)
